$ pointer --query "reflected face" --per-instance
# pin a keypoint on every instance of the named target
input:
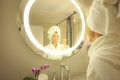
(55, 37)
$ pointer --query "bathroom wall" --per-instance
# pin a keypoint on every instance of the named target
(79, 77)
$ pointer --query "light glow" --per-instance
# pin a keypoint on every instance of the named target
(41, 47)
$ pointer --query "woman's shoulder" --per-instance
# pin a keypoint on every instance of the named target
(105, 45)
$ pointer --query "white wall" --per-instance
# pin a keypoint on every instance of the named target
(79, 77)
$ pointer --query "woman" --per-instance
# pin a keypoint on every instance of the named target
(54, 37)
(103, 31)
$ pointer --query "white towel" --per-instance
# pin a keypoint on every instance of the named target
(113, 15)
(97, 18)
(52, 30)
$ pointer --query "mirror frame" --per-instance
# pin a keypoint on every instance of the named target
(41, 47)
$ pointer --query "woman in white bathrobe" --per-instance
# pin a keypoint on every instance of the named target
(55, 45)
(103, 30)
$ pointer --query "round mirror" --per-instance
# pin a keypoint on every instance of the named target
(60, 21)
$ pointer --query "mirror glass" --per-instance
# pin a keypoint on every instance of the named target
(47, 13)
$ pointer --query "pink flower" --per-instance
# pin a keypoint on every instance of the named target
(33, 70)
(36, 71)
(44, 66)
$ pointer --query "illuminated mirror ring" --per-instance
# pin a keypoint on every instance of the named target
(41, 47)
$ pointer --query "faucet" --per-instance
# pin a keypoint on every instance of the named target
(68, 75)
(54, 76)
(66, 68)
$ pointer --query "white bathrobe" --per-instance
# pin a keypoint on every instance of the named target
(60, 47)
(104, 56)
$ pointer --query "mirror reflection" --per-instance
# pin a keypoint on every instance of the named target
(51, 23)
(54, 43)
